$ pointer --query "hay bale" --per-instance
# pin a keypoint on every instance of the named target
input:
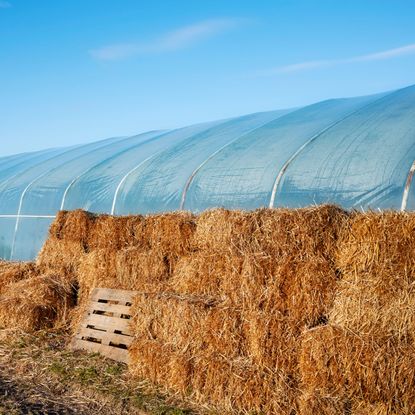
(160, 364)
(141, 270)
(61, 256)
(373, 369)
(116, 232)
(379, 244)
(36, 303)
(170, 233)
(11, 272)
(367, 408)
(222, 230)
(377, 259)
(97, 269)
(235, 385)
(188, 324)
(302, 291)
(72, 226)
(128, 269)
(302, 233)
(313, 403)
(206, 274)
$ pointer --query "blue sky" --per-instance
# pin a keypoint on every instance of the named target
(74, 71)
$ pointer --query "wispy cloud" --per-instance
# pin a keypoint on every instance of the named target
(181, 38)
(308, 65)
(5, 4)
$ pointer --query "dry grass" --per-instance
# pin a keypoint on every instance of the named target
(38, 375)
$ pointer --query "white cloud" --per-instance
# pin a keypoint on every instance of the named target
(4, 4)
(304, 66)
(178, 39)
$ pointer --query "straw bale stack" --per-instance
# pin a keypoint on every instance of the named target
(276, 311)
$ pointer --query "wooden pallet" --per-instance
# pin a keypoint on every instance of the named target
(105, 327)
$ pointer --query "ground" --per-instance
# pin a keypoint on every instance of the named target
(38, 375)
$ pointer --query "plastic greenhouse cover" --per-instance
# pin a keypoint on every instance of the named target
(361, 162)
(46, 195)
(98, 188)
(13, 190)
(158, 184)
(356, 152)
(30, 237)
(242, 176)
(14, 165)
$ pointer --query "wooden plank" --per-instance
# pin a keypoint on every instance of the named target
(104, 336)
(109, 323)
(115, 295)
(110, 308)
(115, 353)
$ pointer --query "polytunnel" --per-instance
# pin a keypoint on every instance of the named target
(355, 152)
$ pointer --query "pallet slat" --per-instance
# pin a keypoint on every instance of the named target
(109, 323)
(112, 295)
(102, 328)
(120, 355)
(104, 336)
(111, 308)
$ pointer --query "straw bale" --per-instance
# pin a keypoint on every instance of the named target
(170, 233)
(303, 291)
(360, 307)
(189, 324)
(128, 269)
(379, 244)
(366, 408)
(62, 256)
(11, 272)
(140, 269)
(72, 225)
(207, 273)
(377, 259)
(271, 340)
(237, 385)
(161, 364)
(116, 232)
(300, 233)
(315, 403)
(377, 370)
(222, 230)
(38, 302)
(97, 269)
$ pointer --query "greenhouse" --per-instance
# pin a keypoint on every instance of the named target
(355, 152)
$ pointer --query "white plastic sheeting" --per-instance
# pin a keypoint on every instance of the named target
(356, 152)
